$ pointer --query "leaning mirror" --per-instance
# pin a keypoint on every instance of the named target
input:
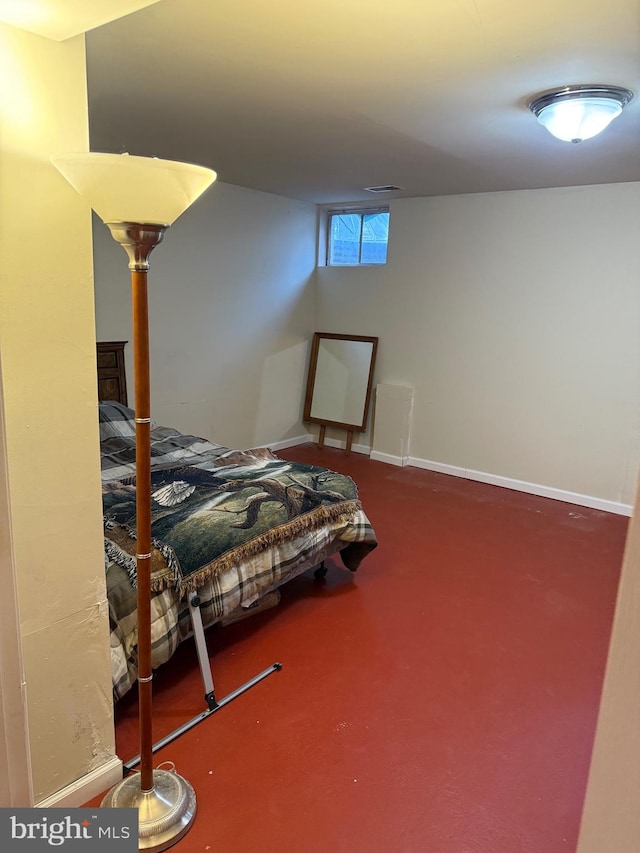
(339, 383)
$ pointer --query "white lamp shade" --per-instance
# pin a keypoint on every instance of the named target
(124, 188)
(573, 121)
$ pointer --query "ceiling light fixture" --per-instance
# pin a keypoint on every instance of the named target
(574, 113)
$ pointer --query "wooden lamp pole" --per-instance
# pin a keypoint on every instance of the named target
(165, 801)
(138, 241)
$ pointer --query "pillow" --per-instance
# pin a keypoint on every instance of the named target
(115, 420)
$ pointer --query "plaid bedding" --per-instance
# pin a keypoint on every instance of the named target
(222, 592)
(168, 446)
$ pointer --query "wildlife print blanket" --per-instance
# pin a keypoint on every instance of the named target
(206, 521)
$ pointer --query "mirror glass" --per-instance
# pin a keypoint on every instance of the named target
(340, 378)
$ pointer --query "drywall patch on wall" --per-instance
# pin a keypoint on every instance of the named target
(392, 423)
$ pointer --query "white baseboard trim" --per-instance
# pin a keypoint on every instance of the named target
(522, 486)
(469, 474)
(290, 442)
(341, 445)
(86, 788)
(400, 461)
(329, 442)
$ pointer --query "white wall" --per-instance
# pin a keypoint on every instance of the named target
(52, 512)
(231, 315)
(515, 318)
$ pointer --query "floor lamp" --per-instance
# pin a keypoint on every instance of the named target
(138, 198)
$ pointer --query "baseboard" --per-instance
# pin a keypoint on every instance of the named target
(523, 486)
(86, 788)
(290, 442)
(341, 445)
(329, 442)
(470, 474)
(400, 461)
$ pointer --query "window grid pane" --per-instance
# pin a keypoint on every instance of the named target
(375, 236)
(358, 237)
(344, 244)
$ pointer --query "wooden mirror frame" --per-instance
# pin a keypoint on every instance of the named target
(313, 364)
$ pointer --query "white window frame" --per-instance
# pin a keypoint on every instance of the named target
(362, 211)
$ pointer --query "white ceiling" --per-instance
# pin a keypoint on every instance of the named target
(62, 19)
(317, 100)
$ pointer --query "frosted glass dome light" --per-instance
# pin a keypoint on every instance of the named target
(575, 113)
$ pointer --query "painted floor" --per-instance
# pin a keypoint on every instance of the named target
(442, 699)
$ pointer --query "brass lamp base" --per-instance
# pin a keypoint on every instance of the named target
(164, 814)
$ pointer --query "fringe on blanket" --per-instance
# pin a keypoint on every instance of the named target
(164, 575)
(343, 511)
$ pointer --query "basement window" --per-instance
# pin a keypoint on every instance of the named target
(357, 237)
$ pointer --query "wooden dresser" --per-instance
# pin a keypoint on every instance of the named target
(112, 380)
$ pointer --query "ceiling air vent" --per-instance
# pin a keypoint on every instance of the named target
(387, 188)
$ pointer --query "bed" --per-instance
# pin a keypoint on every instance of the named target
(229, 527)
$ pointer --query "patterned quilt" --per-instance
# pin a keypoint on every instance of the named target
(234, 525)
(204, 522)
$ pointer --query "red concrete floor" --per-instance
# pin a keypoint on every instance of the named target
(443, 699)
